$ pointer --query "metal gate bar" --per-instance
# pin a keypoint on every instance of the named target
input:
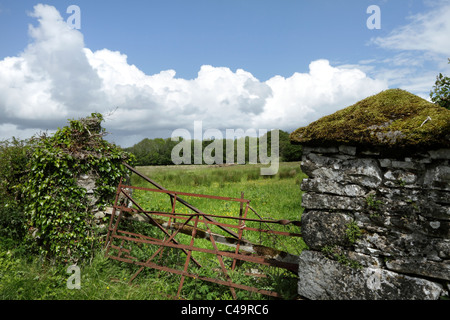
(258, 254)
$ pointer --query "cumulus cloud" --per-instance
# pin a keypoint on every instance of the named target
(305, 97)
(51, 79)
(56, 78)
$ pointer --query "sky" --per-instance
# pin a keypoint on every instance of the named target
(151, 67)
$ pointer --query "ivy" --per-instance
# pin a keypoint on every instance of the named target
(58, 210)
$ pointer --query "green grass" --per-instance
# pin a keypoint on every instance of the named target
(29, 277)
(277, 196)
(25, 277)
(272, 197)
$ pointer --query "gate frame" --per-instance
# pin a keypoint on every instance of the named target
(197, 217)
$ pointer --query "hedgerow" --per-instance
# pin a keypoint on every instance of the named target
(14, 155)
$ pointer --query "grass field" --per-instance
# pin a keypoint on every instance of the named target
(24, 276)
(272, 197)
(277, 196)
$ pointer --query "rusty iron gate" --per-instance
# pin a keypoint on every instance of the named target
(219, 230)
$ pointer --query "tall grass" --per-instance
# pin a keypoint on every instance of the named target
(26, 277)
(207, 176)
(275, 197)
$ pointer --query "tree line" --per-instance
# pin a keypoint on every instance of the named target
(158, 151)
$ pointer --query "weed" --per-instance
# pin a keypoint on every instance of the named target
(337, 254)
(353, 232)
(372, 203)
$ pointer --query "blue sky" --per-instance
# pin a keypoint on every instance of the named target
(162, 65)
(266, 38)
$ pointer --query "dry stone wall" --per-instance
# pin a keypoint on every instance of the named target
(377, 226)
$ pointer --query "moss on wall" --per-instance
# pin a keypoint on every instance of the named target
(392, 119)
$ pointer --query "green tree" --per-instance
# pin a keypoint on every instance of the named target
(14, 155)
(288, 152)
(153, 151)
(441, 91)
(159, 151)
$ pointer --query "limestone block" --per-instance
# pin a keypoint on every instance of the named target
(438, 177)
(320, 149)
(443, 248)
(87, 182)
(440, 154)
(385, 163)
(333, 187)
(321, 278)
(438, 196)
(347, 150)
(409, 165)
(422, 267)
(320, 229)
(432, 210)
(364, 172)
(400, 176)
(322, 201)
(400, 245)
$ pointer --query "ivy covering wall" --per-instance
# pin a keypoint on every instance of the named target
(58, 217)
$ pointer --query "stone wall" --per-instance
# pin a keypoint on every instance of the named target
(377, 226)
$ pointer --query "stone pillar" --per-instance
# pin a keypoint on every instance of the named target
(377, 227)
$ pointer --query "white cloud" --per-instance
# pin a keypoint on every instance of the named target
(426, 32)
(10, 130)
(420, 51)
(305, 97)
(52, 77)
(57, 78)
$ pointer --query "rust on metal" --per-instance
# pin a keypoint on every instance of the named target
(174, 223)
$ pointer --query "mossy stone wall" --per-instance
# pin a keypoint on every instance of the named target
(377, 201)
